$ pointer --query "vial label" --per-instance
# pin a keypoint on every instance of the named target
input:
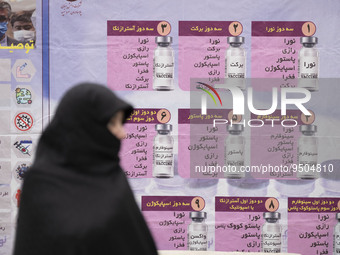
(336, 243)
(308, 67)
(162, 155)
(235, 67)
(234, 155)
(271, 242)
(197, 241)
(164, 67)
(307, 154)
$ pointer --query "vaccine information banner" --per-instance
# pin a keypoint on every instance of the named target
(321, 234)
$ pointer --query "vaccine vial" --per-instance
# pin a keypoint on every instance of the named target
(271, 233)
(234, 151)
(163, 157)
(163, 64)
(307, 153)
(336, 236)
(198, 232)
(235, 62)
(308, 68)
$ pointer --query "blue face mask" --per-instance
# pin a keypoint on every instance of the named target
(3, 28)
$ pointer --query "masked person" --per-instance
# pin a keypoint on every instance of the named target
(23, 29)
(75, 197)
(5, 13)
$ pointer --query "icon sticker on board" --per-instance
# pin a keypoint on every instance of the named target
(23, 146)
(20, 171)
(23, 70)
(17, 196)
(20, 72)
(23, 96)
(23, 121)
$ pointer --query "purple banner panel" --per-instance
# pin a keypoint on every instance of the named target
(244, 204)
(194, 116)
(204, 28)
(132, 28)
(143, 116)
(167, 203)
(292, 117)
(313, 205)
(277, 28)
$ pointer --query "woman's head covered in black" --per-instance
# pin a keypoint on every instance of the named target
(79, 133)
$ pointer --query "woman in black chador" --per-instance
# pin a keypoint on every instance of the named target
(75, 197)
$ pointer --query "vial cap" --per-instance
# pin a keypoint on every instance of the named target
(308, 129)
(198, 215)
(235, 40)
(337, 216)
(272, 215)
(163, 127)
(309, 40)
(235, 129)
(163, 39)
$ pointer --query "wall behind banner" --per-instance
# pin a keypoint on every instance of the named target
(80, 49)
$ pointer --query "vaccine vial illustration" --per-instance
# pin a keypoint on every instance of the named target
(235, 62)
(271, 233)
(307, 153)
(198, 232)
(163, 157)
(308, 68)
(163, 64)
(234, 151)
(336, 236)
